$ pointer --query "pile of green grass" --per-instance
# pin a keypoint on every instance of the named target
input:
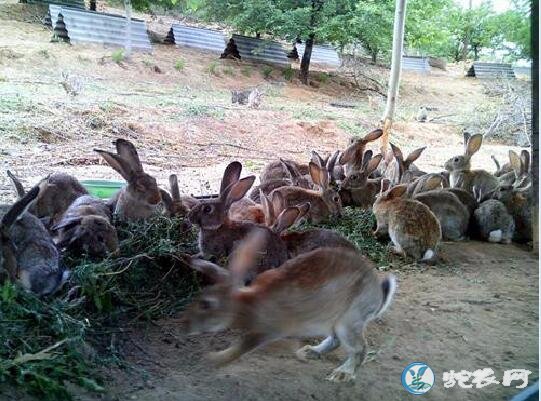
(47, 342)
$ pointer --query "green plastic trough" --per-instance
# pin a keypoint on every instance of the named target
(101, 188)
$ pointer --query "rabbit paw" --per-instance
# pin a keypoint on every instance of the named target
(341, 375)
(307, 352)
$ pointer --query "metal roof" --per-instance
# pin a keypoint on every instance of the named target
(415, 63)
(321, 54)
(259, 50)
(79, 26)
(491, 70)
(197, 38)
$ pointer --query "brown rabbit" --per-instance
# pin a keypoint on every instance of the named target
(357, 189)
(459, 167)
(140, 198)
(282, 169)
(427, 182)
(403, 171)
(56, 192)
(414, 230)
(175, 204)
(519, 202)
(300, 291)
(86, 228)
(323, 203)
(218, 234)
(352, 157)
(303, 241)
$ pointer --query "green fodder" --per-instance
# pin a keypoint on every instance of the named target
(45, 342)
(357, 225)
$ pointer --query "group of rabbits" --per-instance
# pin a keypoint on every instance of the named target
(280, 282)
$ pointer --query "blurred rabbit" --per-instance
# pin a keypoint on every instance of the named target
(140, 198)
(300, 291)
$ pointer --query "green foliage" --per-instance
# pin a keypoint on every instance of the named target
(118, 56)
(288, 73)
(228, 71)
(321, 77)
(180, 64)
(246, 71)
(212, 68)
(267, 71)
(46, 342)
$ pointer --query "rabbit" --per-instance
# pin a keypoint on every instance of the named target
(86, 228)
(357, 189)
(414, 230)
(459, 167)
(293, 301)
(336, 171)
(519, 202)
(56, 192)
(494, 222)
(352, 157)
(501, 170)
(283, 169)
(465, 197)
(403, 171)
(175, 204)
(298, 242)
(246, 209)
(29, 244)
(140, 198)
(218, 234)
(292, 177)
(424, 183)
(323, 203)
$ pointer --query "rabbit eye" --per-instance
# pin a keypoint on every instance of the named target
(207, 209)
(456, 159)
(336, 198)
(354, 177)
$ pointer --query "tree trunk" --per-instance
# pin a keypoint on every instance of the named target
(374, 57)
(535, 127)
(92, 5)
(305, 62)
(127, 44)
(396, 65)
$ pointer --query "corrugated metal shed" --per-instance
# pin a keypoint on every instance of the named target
(259, 50)
(416, 63)
(321, 54)
(491, 70)
(79, 26)
(70, 3)
(197, 38)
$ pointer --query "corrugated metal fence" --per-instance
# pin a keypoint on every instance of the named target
(259, 50)
(69, 3)
(416, 63)
(197, 38)
(91, 27)
(324, 55)
(491, 70)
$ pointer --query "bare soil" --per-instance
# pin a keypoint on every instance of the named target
(476, 309)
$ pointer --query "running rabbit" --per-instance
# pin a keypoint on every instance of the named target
(414, 230)
(293, 301)
(140, 198)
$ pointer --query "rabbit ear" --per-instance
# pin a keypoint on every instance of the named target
(319, 175)
(117, 163)
(367, 156)
(433, 182)
(238, 190)
(126, 150)
(268, 210)
(516, 162)
(332, 161)
(397, 191)
(372, 136)
(397, 152)
(245, 256)
(525, 157)
(173, 184)
(349, 154)
(384, 185)
(473, 145)
(231, 175)
(67, 223)
(466, 136)
(286, 219)
(278, 202)
(167, 201)
(373, 164)
(210, 270)
(303, 209)
(18, 209)
(414, 156)
(496, 162)
(316, 158)
(19, 189)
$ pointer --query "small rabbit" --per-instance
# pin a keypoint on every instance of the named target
(283, 169)
(303, 241)
(29, 244)
(459, 167)
(293, 301)
(56, 192)
(336, 171)
(86, 228)
(140, 198)
(323, 203)
(218, 234)
(501, 170)
(403, 171)
(175, 204)
(250, 97)
(414, 230)
(357, 189)
(352, 157)
(494, 222)
(519, 203)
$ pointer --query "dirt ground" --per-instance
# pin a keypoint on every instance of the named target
(477, 309)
